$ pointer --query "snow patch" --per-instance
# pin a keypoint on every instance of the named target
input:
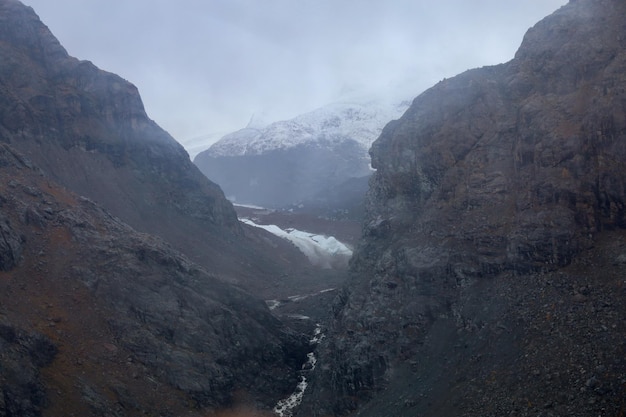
(361, 121)
(250, 206)
(273, 304)
(298, 317)
(323, 251)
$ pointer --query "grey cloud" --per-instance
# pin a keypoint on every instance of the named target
(206, 66)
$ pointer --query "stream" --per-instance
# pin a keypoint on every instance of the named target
(285, 407)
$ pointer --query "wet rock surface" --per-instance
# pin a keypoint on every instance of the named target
(98, 319)
(138, 328)
(494, 194)
(87, 130)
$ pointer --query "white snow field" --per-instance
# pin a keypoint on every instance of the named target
(322, 251)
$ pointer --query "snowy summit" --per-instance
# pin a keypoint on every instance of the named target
(361, 122)
(301, 160)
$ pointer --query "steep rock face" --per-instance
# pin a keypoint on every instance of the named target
(98, 319)
(23, 354)
(87, 129)
(59, 108)
(292, 161)
(489, 180)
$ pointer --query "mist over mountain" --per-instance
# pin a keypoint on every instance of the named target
(294, 161)
(88, 131)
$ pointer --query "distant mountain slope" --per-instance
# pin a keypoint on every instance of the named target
(360, 121)
(87, 130)
(291, 161)
(490, 277)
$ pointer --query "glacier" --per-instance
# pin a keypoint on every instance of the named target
(322, 251)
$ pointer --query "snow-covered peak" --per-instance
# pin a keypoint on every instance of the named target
(336, 122)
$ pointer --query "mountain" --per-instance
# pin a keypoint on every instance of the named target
(117, 256)
(87, 130)
(490, 277)
(288, 162)
(98, 319)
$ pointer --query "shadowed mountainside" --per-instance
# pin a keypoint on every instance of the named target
(98, 319)
(88, 131)
(96, 316)
(489, 280)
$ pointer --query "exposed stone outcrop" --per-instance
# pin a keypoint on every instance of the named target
(87, 130)
(491, 179)
(23, 354)
(10, 246)
(133, 326)
(56, 107)
(98, 319)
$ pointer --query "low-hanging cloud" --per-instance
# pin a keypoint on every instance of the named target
(207, 66)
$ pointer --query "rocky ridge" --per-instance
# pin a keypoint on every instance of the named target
(489, 277)
(87, 130)
(98, 319)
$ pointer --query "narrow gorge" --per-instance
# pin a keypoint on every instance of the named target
(489, 278)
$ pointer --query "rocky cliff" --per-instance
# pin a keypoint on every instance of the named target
(98, 315)
(56, 107)
(98, 319)
(88, 131)
(489, 280)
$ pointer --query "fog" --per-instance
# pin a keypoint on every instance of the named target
(204, 68)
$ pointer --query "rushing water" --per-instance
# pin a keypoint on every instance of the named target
(285, 407)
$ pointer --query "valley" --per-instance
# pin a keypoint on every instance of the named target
(462, 254)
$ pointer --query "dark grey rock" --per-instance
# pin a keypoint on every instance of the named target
(87, 130)
(22, 391)
(488, 185)
(186, 331)
(10, 245)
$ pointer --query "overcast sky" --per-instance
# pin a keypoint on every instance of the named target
(206, 66)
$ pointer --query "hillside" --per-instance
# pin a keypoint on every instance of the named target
(489, 280)
(299, 160)
(118, 256)
(98, 319)
(87, 130)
